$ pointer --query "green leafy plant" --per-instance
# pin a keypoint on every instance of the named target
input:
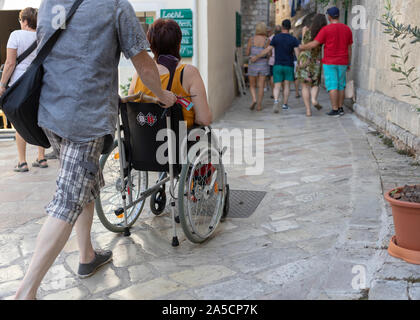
(400, 35)
(125, 87)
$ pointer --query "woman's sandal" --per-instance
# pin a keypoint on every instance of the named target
(253, 106)
(40, 163)
(21, 167)
(318, 106)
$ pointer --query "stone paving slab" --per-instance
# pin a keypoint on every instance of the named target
(322, 217)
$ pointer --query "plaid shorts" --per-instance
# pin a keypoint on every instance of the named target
(79, 179)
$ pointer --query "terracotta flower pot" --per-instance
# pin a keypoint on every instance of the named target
(406, 242)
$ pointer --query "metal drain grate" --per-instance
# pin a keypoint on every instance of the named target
(243, 203)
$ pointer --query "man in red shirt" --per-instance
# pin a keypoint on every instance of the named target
(338, 41)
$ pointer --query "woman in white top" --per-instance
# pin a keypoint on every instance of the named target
(19, 42)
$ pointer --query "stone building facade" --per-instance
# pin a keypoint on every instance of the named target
(253, 12)
(380, 100)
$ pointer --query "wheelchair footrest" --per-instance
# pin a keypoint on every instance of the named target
(119, 212)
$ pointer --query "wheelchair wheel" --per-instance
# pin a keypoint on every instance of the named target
(110, 197)
(158, 201)
(201, 195)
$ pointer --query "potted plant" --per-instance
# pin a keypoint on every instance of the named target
(405, 204)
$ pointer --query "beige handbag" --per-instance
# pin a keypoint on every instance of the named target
(350, 92)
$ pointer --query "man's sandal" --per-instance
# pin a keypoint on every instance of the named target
(40, 163)
(21, 167)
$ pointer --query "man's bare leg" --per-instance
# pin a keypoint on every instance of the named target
(277, 89)
(51, 240)
(83, 228)
(341, 96)
(334, 99)
(286, 92)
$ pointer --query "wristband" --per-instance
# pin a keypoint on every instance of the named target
(3, 85)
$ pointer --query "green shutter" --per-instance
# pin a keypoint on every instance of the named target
(238, 30)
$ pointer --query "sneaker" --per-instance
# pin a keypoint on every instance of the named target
(341, 111)
(276, 107)
(333, 113)
(88, 269)
(285, 107)
(51, 156)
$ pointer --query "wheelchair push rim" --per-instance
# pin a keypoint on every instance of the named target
(110, 197)
(202, 189)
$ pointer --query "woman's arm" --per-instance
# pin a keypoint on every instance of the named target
(9, 66)
(193, 83)
(304, 30)
(266, 46)
(133, 84)
(248, 48)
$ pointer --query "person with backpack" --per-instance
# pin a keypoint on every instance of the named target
(19, 42)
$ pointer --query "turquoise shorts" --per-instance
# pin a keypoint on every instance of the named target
(335, 77)
(282, 73)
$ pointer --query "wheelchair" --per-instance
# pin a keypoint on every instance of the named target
(198, 183)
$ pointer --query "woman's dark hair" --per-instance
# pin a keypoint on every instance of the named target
(165, 37)
(30, 16)
(318, 23)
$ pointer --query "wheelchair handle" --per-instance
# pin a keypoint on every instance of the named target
(142, 97)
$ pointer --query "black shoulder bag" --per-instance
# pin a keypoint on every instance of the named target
(20, 103)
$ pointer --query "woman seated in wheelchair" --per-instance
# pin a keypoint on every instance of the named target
(165, 38)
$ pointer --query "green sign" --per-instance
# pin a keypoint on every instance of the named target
(187, 51)
(187, 32)
(185, 23)
(149, 20)
(186, 41)
(184, 18)
(176, 14)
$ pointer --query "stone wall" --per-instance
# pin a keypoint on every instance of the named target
(253, 12)
(380, 99)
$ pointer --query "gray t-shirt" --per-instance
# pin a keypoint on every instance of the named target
(79, 97)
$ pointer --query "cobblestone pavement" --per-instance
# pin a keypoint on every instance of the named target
(323, 218)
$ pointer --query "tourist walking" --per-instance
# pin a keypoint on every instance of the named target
(77, 114)
(338, 41)
(258, 69)
(309, 68)
(285, 46)
(19, 42)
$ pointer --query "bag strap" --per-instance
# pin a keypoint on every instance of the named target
(171, 63)
(46, 49)
(27, 52)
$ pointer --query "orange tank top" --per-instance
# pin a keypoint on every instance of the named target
(177, 88)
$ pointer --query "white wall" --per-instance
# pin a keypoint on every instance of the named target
(221, 54)
(19, 4)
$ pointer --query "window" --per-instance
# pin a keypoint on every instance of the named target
(146, 18)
